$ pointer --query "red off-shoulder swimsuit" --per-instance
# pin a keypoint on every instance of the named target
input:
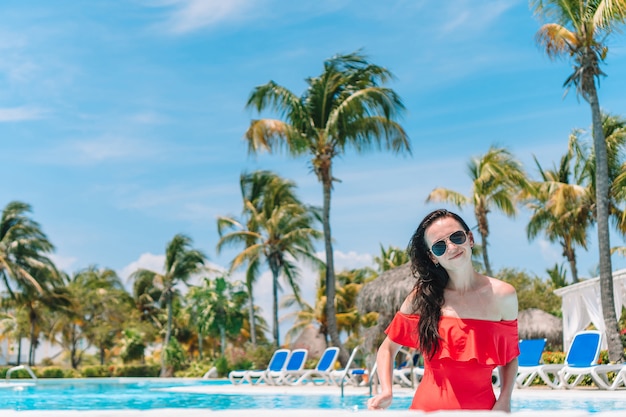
(459, 374)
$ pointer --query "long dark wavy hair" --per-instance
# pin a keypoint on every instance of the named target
(431, 280)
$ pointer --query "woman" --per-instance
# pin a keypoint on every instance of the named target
(464, 323)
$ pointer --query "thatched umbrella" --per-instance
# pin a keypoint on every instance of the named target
(312, 340)
(534, 323)
(384, 295)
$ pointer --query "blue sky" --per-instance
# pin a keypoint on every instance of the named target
(122, 122)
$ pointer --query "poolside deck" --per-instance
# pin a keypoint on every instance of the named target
(527, 394)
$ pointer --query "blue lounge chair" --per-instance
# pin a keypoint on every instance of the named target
(320, 375)
(529, 361)
(600, 375)
(277, 363)
(582, 356)
(294, 364)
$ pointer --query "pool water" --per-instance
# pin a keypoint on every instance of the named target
(144, 394)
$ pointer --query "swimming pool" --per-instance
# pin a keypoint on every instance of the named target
(148, 393)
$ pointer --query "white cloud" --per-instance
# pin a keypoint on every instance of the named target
(178, 201)
(350, 260)
(549, 252)
(17, 114)
(189, 15)
(147, 260)
(148, 118)
(469, 17)
(105, 148)
(63, 263)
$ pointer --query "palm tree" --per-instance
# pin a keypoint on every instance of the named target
(579, 29)
(96, 315)
(614, 130)
(278, 231)
(557, 276)
(39, 307)
(28, 274)
(345, 107)
(221, 309)
(391, 258)
(181, 262)
(349, 320)
(261, 192)
(497, 179)
(23, 250)
(561, 207)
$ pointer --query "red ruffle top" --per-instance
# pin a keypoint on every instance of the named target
(459, 374)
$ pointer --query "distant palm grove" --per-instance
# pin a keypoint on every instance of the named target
(185, 317)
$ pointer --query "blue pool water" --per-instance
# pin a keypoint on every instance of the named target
(143, 394)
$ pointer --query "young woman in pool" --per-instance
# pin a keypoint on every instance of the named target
(464, 323)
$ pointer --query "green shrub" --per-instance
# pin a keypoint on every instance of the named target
(138, 371)
(245, 363)
(195, 369)
(221, 364)
(553, 357)
(17, 374)
(52, 372)
(97, 371)
(175, 355)
(133, 346)
(71, 373)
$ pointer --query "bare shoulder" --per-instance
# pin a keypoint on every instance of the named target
(501, 288)
(505, 297)
(407, 305)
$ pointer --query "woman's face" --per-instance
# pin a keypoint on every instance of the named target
(441, 230)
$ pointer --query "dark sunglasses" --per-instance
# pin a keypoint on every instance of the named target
(439, 247)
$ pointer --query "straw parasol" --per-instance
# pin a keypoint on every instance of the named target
(312, 340)
(384, 295)
(534, 323)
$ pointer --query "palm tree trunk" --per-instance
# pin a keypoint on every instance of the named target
(222, 340)
(251, 318)
(200, 344)
(616, 349)
(483, 239)
(480, 212)
(275, 329)
(168, 333)
(73, 348)
(18, 359)
(331, 317)
(570, 255)
(31, 349)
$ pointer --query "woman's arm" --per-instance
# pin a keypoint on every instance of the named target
(508, 373)
(384, 364)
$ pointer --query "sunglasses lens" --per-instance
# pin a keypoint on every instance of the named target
(439, 248)
(458, 238)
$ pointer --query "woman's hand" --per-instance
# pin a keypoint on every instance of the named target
(379, 402)
(502, 405)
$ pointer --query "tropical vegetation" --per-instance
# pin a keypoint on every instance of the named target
(580, 29)
(185, 317)
(344, 108)
(278, 229)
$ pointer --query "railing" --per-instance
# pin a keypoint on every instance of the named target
(19, 367)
